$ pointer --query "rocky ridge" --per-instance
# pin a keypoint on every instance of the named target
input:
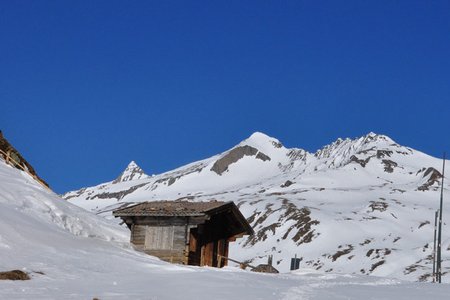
(10, 155)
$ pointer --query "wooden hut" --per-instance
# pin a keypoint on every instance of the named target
(194, 233)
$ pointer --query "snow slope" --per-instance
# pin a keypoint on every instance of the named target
(358, 206)
(73, 254)
(83, 256)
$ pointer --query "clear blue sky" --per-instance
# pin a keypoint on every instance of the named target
(87, 86)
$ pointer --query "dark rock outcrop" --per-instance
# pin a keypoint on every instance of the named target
(361, 162)
(15, 159)
(222, 164)
(389, 165)
(433, 176)
(14, 275)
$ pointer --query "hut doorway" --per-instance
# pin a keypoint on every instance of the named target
(206, 249)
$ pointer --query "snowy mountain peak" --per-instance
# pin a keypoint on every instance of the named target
(131, 172)
(374, 137)
(259, 146)
(343, 151)
(132, 165)
(262, 143)
(372, 134)
(261, 140)
(258, 135)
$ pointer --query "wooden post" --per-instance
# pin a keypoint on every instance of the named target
(219, 261)
(186, 242)
(202, 256)
(8, 157)
(434, 245)
(13, 163)
(439, 247)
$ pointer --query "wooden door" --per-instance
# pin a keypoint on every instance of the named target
(194, 248)
(222, 251)
(207, 255)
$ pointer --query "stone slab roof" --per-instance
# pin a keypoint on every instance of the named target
(170, 208)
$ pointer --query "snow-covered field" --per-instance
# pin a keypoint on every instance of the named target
(356, 206)
(73, 254)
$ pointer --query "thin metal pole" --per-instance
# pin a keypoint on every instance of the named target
(439, 249)
(434, 245)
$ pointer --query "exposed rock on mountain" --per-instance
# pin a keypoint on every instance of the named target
(430, 177)
(234, 155)
(15, 159)
(132, 172)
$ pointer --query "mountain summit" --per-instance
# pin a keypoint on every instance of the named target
(131, 172)
(261, 141)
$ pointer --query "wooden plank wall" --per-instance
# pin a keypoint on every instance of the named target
(159, 237)
(138, 236)
(166, 242)
(178, 240)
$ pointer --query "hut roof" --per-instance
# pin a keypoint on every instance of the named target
(183, 209)
(169, 208)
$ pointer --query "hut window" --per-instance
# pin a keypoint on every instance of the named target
(159, 238)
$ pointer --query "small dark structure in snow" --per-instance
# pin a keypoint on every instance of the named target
(295, 263)
(266, 268)
(193, 233)
(14, 275)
